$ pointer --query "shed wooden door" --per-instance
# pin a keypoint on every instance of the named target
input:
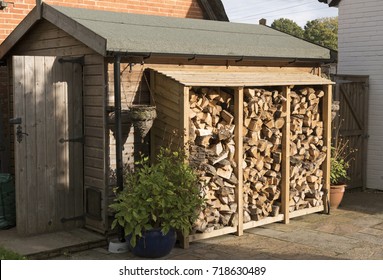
(48, 163)
(352, 94)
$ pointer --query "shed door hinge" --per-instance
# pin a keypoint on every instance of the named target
(79, 139)
(79, 60)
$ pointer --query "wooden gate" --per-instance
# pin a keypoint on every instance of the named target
(48, 144)
(352, 93)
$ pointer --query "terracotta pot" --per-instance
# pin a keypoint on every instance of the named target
(336, 195)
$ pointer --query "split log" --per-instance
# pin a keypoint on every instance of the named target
(212, 153)
(262, 152)
(306, 149)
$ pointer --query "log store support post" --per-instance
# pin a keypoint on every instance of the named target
(185, 123)
(185, 120)
(152, 85)
(326, 111)
(286, 156)
(238, 137)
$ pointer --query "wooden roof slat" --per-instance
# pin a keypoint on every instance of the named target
(238, 79)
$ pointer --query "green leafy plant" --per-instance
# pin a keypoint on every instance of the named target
(341, 156)
(161, 195)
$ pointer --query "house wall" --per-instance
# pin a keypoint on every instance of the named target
(15, 12)
(360, 49)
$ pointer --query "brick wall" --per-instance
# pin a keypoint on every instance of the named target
(14, 13)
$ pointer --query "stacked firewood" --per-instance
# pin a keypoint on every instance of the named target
(262, 145)
(307, 150)
(212, 149)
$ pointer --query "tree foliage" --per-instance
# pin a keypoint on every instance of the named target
(323, 31)
(288, 26)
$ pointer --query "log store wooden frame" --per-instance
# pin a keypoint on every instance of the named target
(167, 84)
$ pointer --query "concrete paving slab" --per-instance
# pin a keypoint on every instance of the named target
(45, 244)
(379, 226)
(350, 232)
(372, 231)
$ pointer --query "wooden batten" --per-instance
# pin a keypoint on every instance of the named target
(219, 232)
(326, 108)
(185, 119)
(238, 138)
(265, 221)
(286, 155)
(306, 211)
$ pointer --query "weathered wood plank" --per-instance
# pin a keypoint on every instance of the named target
(265, 221)
(20, 148)
(78, 31)
(327, 99)
(92, 172)
(93, 101)
(31, 141)
(93, 111)
(215, 233)
(42, 188)
(76, 148)
(62, 150)
(51, 139)
(94, 152)
(286, 155)
(93, 90)
(307, 211)
(238, 157)
(94, 182)
(93, 162)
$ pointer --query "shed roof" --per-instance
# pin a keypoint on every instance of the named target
(132, 34)
(232, 78)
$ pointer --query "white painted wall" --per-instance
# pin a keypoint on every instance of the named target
(360, 49)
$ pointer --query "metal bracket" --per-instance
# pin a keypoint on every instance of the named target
(15, 121)
(77, 218)
(76, 139)
(80, 60)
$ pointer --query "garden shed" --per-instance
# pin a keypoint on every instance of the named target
(249, 99)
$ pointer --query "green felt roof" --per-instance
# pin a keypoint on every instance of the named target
(156, 35)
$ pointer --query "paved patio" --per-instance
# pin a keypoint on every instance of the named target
(354, 231)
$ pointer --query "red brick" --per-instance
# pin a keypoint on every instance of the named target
(12, 16)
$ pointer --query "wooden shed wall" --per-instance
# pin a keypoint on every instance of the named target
(46, 39)
(6, 111)
(96, 168)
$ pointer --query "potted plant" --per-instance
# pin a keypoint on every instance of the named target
(341, 155)
(157, 201)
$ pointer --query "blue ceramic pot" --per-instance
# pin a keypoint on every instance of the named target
(153, 244)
